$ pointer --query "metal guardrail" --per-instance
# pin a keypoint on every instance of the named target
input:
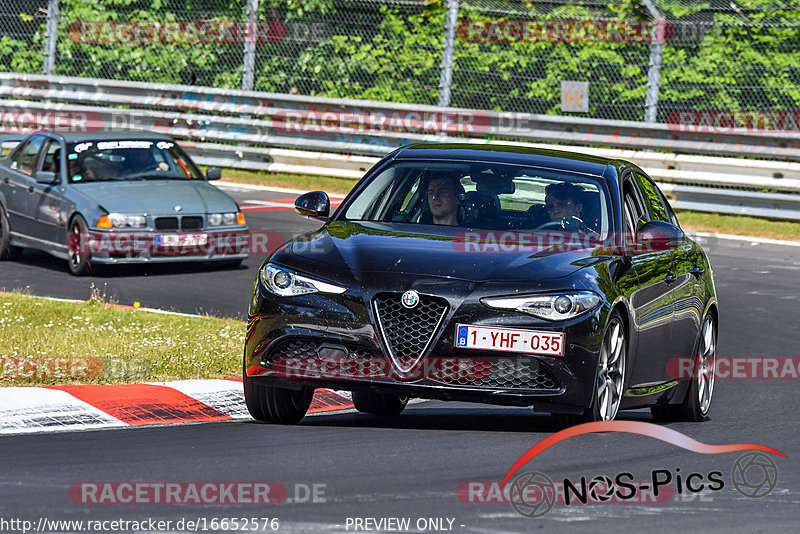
(733, 202)
(520, 126)
(250, 130)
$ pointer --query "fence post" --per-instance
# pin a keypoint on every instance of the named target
(654, 66)
(51, 37)
(248, 74)
(446, 79)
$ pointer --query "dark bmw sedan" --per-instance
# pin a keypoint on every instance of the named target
(492, 274)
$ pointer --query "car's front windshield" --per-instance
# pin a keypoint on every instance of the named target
(483, 195)
(140, 159)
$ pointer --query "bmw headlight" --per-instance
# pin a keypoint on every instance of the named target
(287, 283)
(226, 219)
(119, 220)
(553, 307)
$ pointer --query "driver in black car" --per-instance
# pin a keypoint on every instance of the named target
(442, 198)
(564, 202)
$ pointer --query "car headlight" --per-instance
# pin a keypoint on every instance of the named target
(287, 283)
(119, 220)
(227, 219)
(553, 307)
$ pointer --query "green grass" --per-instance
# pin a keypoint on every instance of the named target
(739, 225)
(68, 343)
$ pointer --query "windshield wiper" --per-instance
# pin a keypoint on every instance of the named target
(154, 176)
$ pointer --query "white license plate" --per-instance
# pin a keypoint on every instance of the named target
(181, 240)
(509, 340)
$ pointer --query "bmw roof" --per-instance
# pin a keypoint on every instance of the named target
(108, 136)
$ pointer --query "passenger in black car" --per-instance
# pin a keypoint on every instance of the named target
(563, 200)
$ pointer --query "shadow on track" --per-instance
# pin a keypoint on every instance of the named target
(455, 419)
(43, 260)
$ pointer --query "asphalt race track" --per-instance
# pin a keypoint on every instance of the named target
(410, 466)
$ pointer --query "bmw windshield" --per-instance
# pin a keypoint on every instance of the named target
(114, 160)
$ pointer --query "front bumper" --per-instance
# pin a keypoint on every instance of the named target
(332, 341)
(113, 247)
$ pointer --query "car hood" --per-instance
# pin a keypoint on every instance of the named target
(157, 196)
(361, 249)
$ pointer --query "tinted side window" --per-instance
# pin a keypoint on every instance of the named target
(672, 217)
(634, 213)
(25, 158)
(652, 199)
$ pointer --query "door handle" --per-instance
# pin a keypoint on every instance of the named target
(697, 271)
(669, 278)
(6, 179)
(30, 189)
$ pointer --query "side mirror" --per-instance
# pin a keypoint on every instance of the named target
(213, 173)
(46, 177)
(656, 236)
(314, 205)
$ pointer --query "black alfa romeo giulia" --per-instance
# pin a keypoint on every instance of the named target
(493, 274)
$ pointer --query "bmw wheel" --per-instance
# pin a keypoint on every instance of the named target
(80, 261)
(7, 250)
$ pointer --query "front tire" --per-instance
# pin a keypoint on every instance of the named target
(609, 383)
(379, 403)
(276, 405)
(7, 250)
(80, 261)
(697, 401)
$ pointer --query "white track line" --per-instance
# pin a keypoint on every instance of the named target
(252, 187)
(749, 239)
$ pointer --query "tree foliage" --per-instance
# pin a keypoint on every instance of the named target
(747, 58)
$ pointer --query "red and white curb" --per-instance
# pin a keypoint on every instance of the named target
(27, 410)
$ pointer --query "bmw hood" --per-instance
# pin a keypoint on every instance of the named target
(359, 249)
(157, 196)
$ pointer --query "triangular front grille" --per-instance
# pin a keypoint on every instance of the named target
(408, 332)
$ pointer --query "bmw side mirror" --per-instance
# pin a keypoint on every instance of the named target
(314, 205)
(214, 173)
(656, 236)
(46, 177)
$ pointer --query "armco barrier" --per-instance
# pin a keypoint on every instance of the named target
(259, 131)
